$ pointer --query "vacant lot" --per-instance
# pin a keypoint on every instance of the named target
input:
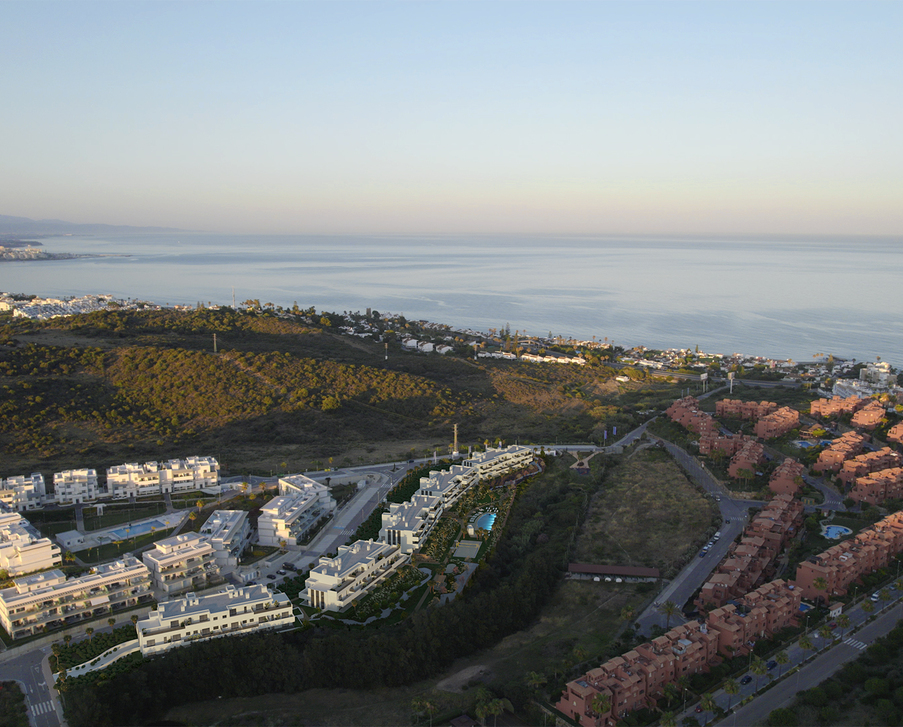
(647, 514)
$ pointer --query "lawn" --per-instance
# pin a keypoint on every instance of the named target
(116, 514)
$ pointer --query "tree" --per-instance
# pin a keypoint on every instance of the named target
(668, 719)
(806, 644)
(820, 584)
(826, 633)
(111, 621)
(868, 607)
(844, 622)
(731, 688)
(884, 595)
(758, 668)
(601, 703)
(671, 692)
(669, 609)
(89, 631)
(707, 702)
(497, 706)
(535, 680)
(67, 638)
(135, 619)
(782, 658)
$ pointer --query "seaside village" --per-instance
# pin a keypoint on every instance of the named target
(742, 601)
(176, 570)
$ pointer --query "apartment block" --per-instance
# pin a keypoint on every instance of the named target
(181, 563)
(877, 487)
(845, 447)
(23, 493)
(152, 478)
(335, 583)
(49, 600)
(73, 487)
(727, 445)
(750, 455)
(229, 534)
(778, 423)
(749, 410)
(22, 548)
(409, 524)
(496, 462)
(289, 518)
(869, 416)
(835, 406)
(687, 413)
(883, 459)
(787, 479)
(895, 434)
(448, 485)
(233, 612)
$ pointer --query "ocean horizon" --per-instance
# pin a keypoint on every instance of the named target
(785, 297)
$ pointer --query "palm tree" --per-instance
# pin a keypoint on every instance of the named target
(731, 688)
(868, 607)
(826, 633)
(806, 644)
(627, 613)
(884, 595)
(200, 505)
(707, 702)
(668, 719)
(820, 584)
(89, 631)
(683, 681)
(782, 658)
(67, 638)
(844, 622)
(111, 621)
(669, 609)
(671, 692)
(535, 680)
(759, 669)
(601, 703)
(497, 706)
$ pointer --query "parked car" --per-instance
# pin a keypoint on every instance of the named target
(771, 664)
(272, 577)
(875, 597)
(282, 572)
(702, 554)
(746, 680)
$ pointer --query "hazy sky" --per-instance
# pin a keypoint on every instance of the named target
(406, 117)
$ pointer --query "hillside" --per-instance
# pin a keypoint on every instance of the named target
(280, 394)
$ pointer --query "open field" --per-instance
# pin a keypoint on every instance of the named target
(647, 514)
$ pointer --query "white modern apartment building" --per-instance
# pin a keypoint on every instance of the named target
(75, 486)
(232, 612)
(22, 548)
(335, 583)
(408, 524)
(495, 462)
(229, 533)
(23, 493)
(449, 484)
(49, 600)
(287, 519)
(152, 478)
(183, 562)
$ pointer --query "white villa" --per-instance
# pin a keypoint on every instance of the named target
(335, 583)
(22, 548)
(152, 478)
(180, 563)
(50, 600)
(23, 493)
(232, 612)
(75, 486)
(229, 533)
(408, 524)
(288, 518)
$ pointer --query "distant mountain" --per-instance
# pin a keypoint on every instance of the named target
(25, 226)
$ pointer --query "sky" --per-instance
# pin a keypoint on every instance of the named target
(455, 117)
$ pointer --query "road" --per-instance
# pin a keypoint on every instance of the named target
(32, 672)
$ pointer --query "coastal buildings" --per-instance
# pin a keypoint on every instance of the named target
(23, 493)
(787, 479)
(876, 487)
(408, 524)
(22, 548)
(229, 534)
(50, 600)
(869, 416)
(864, 464)
(778, 423)
(335, 583)
(845, 447)
(232, 612)
(749, 410)
(73, 487)
(181, 563)
(835, 406)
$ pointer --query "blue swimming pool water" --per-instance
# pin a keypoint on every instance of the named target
(834, 532)
(137, 529)
(485, 521)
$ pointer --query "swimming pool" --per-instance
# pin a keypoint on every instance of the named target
(835, 532)
(138, 529)
(485, 521)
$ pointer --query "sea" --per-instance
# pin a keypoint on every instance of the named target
(797, 298)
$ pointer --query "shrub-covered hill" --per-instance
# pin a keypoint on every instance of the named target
(103, 388)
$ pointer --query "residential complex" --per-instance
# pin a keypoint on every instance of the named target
(869, 416)
(22, 548)
(778, 423)
(751, 560)
(637, 678)
(841, 449)
(408, 524)
(835, 406)
(877, 487)
(229, 534)
(687, 413)
(841, 564)
(49, 600)
(750, 410)
(23, 493)
(181, 563)
(864, 464)
(232, 612)
(787, 478)
(151, 478)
